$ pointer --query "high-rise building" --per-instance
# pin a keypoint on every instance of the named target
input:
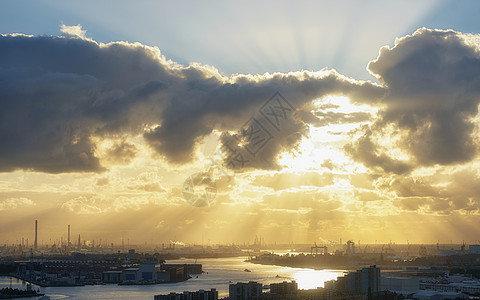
(364, 281)
(199, 295)
(284, 288)
(370, 280)
(245, 291)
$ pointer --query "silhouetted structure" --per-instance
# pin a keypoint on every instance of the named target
(284, 288)
(68, 237)
(148, 272)
(35, 245)
(350, 247)
(198, 295)
(245, 291)
(364, 281)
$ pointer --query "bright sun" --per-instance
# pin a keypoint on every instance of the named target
(322, 148)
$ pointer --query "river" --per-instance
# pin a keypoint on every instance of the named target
(218, 273)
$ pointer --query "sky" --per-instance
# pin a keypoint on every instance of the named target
(218, 121)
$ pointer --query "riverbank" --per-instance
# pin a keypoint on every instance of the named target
(11, 293)
(42, 284)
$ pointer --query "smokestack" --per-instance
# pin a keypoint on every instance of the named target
(36, 227)
(68, 240)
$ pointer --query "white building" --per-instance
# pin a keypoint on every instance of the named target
(145, 272)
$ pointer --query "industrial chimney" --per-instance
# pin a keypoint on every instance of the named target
(68, 240)
(35, 244)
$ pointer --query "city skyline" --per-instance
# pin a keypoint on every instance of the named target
(300, 123)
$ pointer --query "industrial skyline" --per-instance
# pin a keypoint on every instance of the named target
(64, 245)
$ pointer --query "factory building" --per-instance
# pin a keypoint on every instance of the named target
(147, 272)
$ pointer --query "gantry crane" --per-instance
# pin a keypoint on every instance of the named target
(325, 249)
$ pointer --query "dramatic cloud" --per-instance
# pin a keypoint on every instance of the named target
(433, 91)
(281, 181)
(321, 117)
(13, 203)
(75, 30)
(58, 92)
(301, 155)
(319, 208)
(95, 204)
(61, 95)
(439, 193)
(121, 153)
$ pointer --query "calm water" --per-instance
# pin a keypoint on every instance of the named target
(220, 272)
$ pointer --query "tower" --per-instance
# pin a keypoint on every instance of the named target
(35, 245)
(68, 237)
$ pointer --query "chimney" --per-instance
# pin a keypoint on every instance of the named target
(68, 240)
(35, 245)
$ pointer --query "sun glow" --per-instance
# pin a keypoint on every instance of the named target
(323, 148)
(312, 279)
(313, 152)
(115, 147)
(342, 104)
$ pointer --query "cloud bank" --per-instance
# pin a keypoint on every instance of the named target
(432, 79)
(60, 95)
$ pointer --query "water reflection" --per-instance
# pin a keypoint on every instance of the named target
(220, 272)
(311, 279)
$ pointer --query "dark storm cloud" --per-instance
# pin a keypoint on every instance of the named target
(57, 92)
(59, 95)
(433, 83)
(229, 106)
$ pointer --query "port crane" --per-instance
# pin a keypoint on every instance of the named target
(324, 248)
(350, 247)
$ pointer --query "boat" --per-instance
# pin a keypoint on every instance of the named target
(247, 270)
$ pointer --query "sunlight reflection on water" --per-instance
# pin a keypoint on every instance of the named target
(219, 273)
(311, 279)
